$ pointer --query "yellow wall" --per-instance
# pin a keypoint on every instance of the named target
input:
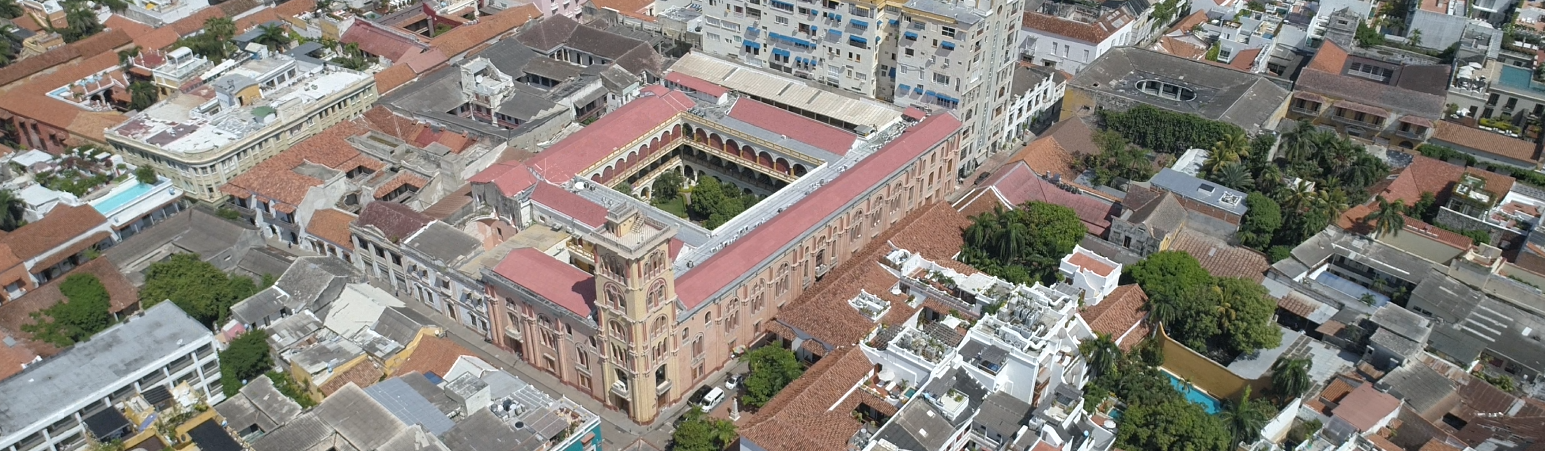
(396, 361)
(1206, 374)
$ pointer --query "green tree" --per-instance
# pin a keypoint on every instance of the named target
(10, 9)
(1174, 424)
(1368, 36)
(1117, 159)
(667, 185)
(1244, 419)
(199, 288)
(1234, 175)
(1022, 245)
(291, 389)
(715, 203)
(1166, 131)
(1426, 208)
(699, 432)
(12, 211)
(1232, 149)
(1296, 145)
(142, 95)
(1245, 315)
(146, 175)
(6, 51)
(247, 357)
(274, 37)
(772, 368)
(1290, 378)
(1101, 353)
(80, 21)
(1168, 275)
(83, 314)
(1261, 221)
(1387, 217)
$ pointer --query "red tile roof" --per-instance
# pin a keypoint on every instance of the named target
(375, 40)
(1093, 32)
(402, 178)
(1220, 258)
(195, 22)
(1424, 175)
(815, 412)
(696, 84)
(1330, 59)
(1448, 237)
(512, 177)
(277, 179)
(395, 221)
(803, 129)
(724, 267)
(12, 357)
(463, 38)
(122, 296)
(432, 355)
(62, 224)
(569, 204)
(1088, 263)
(1496, 183)
(1122, 310)
(393, 77)
(332, 225)
(1365, 406)
(618, 128)
(550, 278)
(1015, 184)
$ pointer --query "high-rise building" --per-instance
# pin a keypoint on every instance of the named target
(932, 54)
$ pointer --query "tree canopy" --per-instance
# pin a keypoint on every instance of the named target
(1022, 245)
(12, 211)
(1117, 159)
(715, 203)
(1219, 316)
(1167, 131)
(1261, 221)
(199, 288)
(1157, 416)
(146, 175)
(699, 432)
(81, 315)
(248, 357)
(772, 368)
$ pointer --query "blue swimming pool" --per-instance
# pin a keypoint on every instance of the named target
(108, 204)
(1208, 403)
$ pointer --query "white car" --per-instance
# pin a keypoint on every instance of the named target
(732, 382)
(713, 398)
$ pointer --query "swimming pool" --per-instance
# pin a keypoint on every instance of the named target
(108, 204)
(1208, 403)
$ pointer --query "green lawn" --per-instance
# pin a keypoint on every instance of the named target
(676, 206)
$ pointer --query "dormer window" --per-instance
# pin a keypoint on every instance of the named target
(1166, 90)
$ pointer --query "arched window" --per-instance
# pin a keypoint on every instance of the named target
(614, 297)
(781, 287)
(614, 267)
(657, 294)
(659, 326)
(619, 331)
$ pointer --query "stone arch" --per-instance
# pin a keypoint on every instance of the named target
(595, 177)
(782, 166)
(701, 136)
(799, 170)
(731, 146)
(653, 143)
(676, 131)
(715, 141)
(748, 153)
(689, 172)
(764, 159)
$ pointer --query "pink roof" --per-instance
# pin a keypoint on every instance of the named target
(803, 129)
(675, 247)
(695, 287)
(1018, 184)
(696, 84)
(376, 41)
(569, 204)
(549, 278)
(914, 113)
(511, 177)
(1364, 407)
(596, 141)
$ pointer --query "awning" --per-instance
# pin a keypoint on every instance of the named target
(910, 35)
(947, 45)
(859, 23)
(780, 52)
(895, 22)
(752, 44)
(905, 88)
(1414, 120)
(858, 39)
(917, 89)
(1308, 96)
(834, 33)
(1358, 107)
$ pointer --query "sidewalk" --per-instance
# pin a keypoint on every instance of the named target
(617, 429)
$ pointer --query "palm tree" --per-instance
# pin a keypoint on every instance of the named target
(126, 56)
(1162, 311)
(1234, 175)
(12, 210)
(10, 9)
(1290, 377)
(1296, 198)
(221, 28)
(1363, 171)
(1416, 37)
(273, 36)
(1388, 217)
(1296, 145)
(1230, 149)
(1101, 353)
(1243, 419)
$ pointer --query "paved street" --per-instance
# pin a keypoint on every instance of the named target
(617, 431)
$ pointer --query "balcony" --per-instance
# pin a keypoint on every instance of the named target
(512, 332)
(620, 389)
(662, 387)
(820, 270)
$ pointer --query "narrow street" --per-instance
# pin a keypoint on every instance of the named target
(618, 432)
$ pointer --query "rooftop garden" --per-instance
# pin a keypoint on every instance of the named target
(78, 172)
(1024, 245)
(1219, 317)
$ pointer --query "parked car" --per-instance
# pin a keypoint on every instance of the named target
(697, 396)
(713, 398)
(732, 382)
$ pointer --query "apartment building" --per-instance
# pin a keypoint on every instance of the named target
(930, 54)
(251, 111)
(48, 404)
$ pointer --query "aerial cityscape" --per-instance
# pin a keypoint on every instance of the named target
(772, 225)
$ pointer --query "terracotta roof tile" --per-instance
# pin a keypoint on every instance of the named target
(1331, 59)
(1496, 183)
(157, 39)
(1086, 262)
(511, 177)
(362, 374)
(393, 77)
(30, 99)
(572, 205)
(130, 27)
(554, 280)
(233, 8)
(60, 254)
(1014, 185)
(122, 296)
(1222, 259)
(276, 177)
(375, 40)
(332, 225)
(195, 22)
(590, 145)
(1180, 47)
(395, 221)
(1484, 141)
(815, 412)
(62, 224)
(13, 356)
(1423, 175)
(402, 178)
(1352, 219)
(294, 8)
(1093, 32)
(1185, 25)
(25, 22)
(462, 38)
(1451, 238)
(1365, 406)
(1122, 310)
(431, 354)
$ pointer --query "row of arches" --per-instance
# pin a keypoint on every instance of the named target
(645, 153)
